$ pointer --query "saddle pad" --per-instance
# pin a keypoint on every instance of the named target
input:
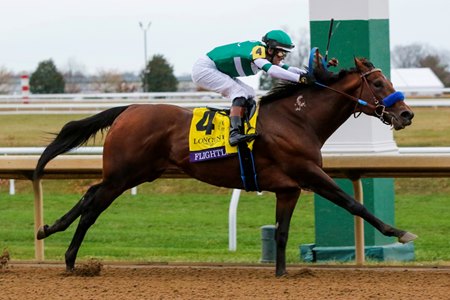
(209, 134)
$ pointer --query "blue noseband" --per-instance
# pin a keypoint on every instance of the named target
(393, 98)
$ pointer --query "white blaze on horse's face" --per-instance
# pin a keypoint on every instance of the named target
(299, 103)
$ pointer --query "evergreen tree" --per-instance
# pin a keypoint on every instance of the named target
(266, 82)
(47, 79)
(158, 76)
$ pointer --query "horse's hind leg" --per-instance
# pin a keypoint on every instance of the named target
(64, 222)
(100, 200)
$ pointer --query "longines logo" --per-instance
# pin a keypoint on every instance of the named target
(208, 140)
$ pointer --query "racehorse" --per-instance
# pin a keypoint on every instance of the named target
(144, 141)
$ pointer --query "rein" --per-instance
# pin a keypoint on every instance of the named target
(379, 106)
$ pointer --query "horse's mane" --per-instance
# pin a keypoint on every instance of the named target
(287, 88)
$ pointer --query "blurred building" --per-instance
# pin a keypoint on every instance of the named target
(417, 82)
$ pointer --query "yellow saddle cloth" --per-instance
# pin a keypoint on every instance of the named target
(209, 134)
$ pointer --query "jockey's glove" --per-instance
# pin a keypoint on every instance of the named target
(305, 79)
(333, 62)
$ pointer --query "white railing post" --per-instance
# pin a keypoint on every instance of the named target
(12, 187)
(134, 191)
(232, 217)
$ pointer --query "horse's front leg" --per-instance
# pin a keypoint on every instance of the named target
(324, 186)
(286, 202)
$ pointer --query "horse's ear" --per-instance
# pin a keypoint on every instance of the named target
(318, 60)
(358, 64)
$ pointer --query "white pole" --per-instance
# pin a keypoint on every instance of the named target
(232, 244)
(134, 191)
(12, 187)
(144, 30)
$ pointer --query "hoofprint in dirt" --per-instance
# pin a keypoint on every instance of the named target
(119, 281)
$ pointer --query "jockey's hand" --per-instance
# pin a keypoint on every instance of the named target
(333, 62)
(305, 79)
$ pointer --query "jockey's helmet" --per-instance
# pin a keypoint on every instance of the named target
(278, 39)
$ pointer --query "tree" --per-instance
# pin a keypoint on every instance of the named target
(266, 82)
(6, 78)
(300, 54)
(409, 56)
(73, 81)
(158, 76)
(436, 64)
(107, 81)
(46, 79)
(74, 76)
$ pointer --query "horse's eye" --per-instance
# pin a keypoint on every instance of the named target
(378, 83)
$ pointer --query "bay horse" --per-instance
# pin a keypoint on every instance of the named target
(144, 141)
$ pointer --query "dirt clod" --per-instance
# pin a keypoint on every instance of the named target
(4, 259)
(89, 269)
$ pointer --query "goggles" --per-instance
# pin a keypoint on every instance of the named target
(281, 53)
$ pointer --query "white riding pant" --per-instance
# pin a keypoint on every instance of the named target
(206, 75)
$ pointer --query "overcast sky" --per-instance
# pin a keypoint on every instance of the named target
(105, 34)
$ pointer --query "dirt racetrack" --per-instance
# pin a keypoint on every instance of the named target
(25, 281)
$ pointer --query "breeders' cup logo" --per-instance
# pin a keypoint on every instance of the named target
(221, 126)
(299, 103)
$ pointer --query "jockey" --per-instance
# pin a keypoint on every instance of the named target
(218, 71)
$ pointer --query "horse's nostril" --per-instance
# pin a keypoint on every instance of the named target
(408, 115)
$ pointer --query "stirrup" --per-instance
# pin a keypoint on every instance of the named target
(240, 138)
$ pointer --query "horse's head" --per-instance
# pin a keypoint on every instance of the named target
(378, 97)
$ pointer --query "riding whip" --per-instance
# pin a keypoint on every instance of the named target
(330, 31)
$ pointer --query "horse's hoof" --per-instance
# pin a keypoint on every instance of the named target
(281, 274)
(41, 232)
(407, 237)
(70, 270)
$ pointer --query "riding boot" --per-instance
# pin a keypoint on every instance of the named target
(237, 127)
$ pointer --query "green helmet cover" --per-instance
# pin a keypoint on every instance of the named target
(278, 39)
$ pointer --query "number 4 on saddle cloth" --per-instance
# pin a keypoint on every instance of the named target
(208, 139)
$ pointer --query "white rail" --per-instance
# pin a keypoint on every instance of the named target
(39, 150)
(424, 150)
(428, 102)
(429, 92)
(109, 96)
(92, 103)
(99, 150)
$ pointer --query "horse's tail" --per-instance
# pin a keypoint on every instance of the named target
(75, 134)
